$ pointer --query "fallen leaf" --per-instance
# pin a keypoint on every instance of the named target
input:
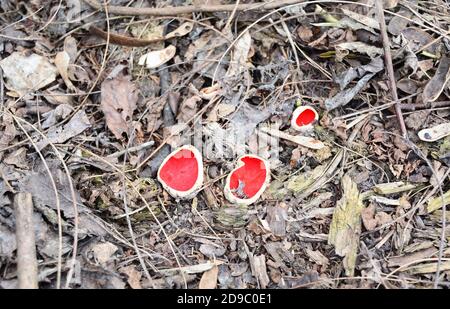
(118, 102)
(70, 47)
(7, 242)
(56, 97)
(25, 73)
(359, 47)
(209, 93)
(39, 185)
(53, 117)
(300, 183)
(239, 58)
(209, 278)
(305, 33)
(398, 23)
(134, 276)
(157, 58)
(75, 126)
(345, 96)
(344, 79)
(408, 85)
(390, 4)
(212, 251)
(367, 215)
(182, 30)
(205, 50)
(436, 85)
(103, 252)
(418, 38)
(362, 19)
(220, 110)
(62, 62)
(9, 132)
(17, 158)
(188, 109)
(436, 203)
(435, 133)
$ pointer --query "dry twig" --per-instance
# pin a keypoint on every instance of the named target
(389, 66)
(27, 271)
(176, 10)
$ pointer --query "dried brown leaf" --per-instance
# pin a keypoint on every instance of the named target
(209, 278)
(75, 126)
(437, 84)
(134, 276)
(62, 61)
(118, 103)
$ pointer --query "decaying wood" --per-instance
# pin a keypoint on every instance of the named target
(27, 271)
(345, 226)
(259, 265)
(393, 187)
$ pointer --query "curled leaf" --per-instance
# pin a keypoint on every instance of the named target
(437, 84)
(157, 58)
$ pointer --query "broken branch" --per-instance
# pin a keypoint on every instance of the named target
(389, 66)
(178, 10)
(27, 271)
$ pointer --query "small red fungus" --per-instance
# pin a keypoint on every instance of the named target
(181, 173)
(303, 118)
(246, 183)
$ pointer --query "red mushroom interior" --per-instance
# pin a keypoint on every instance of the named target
(247, 180)
(306, 117)
(180, 172)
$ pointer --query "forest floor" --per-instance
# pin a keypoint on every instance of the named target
(93, 98)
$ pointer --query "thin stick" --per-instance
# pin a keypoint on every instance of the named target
(132, 149)
(27, 271)
(389, 67)
(177, 10)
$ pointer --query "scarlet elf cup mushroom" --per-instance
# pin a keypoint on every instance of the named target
(246, 183)
(303, 118)
(181, 173)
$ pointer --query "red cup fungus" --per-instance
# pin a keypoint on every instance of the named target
(303, 118)
(181, 173)
(246, 183)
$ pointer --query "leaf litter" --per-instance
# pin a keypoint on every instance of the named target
(349, 198)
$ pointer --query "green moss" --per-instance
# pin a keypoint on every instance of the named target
(145, 214)
(232, 216)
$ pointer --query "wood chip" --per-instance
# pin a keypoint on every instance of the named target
(409, 258)
(259, 265)
(345, 227)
